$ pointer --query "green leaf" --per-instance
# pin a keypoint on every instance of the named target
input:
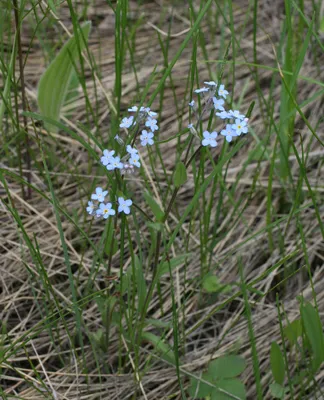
(156, 209)
(172, 264)
(314, 332)
(180, 174)
(293, 331)
(226, 367)
(54, 83)
(111, 245)
(232, 386)
(211, 284)
(163, 348)
(277, 363)
(277, 391)
(199, 389)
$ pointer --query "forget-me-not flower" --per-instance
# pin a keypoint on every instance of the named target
(90, 207)
(209, 139)
(134, 160)
(124, 205)
(152, 124)
(119, 139)
(210, 83)
(147, 138)
(131, 150)
(202, 90)
(218, 104)
(228, 132)
(115, 163)
(240, 127)
(107, 156)
(236, 114)
(223, 115)
(105, 210)
(222, 92)
(127, 122)
(192, 103)
(99, 195)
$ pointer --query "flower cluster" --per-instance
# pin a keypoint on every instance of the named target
(103, 210)
(215, 96)
(145, 122)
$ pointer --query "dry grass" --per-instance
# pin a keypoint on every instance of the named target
(22, 298)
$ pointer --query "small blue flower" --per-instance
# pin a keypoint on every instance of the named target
(218, 104)
(107, 156)
(223, 115)
(147, 138)
(236, 114)
(133, 109)
(131, 150)
(222, 92)
(190, 126)
(115, 164)
(90, 207)
(124, 205)
(99, 195)
(152, 124)
(210, 83)
(192, 103)
(240, 127)
(149, 112)
(105, 210)
(134, 160)
(209, 139)
(202, 90)
(229, 132)
(127, 122)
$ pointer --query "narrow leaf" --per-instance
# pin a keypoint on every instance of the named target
(156, 209)
(314, 331)
(163, 348)
(180, 175)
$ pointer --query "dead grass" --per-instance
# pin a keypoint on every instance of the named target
(21, 295)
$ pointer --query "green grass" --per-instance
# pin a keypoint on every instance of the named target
(123, 308)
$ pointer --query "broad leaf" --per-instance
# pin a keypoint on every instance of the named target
(54, 83)
(232, 386)
(199, 389)
(277, 363)
(227, 367)
(156, 209)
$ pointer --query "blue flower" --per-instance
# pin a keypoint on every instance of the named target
(131, 150)
(99, 195)
(115, 163)
(107, 156)
(222, 92)
(240, 127)
(150, 112)
(202, 90)
(134, 160)
(190, 126)
(147, 138)
(192, 103)
(229, 132)
(152, 124)
(210, 83)
(127, 122)
(236, 114)
(209, 139)
(124, 205)
(105, 210)
(223, 115)
(218, 104)
(90, 207)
